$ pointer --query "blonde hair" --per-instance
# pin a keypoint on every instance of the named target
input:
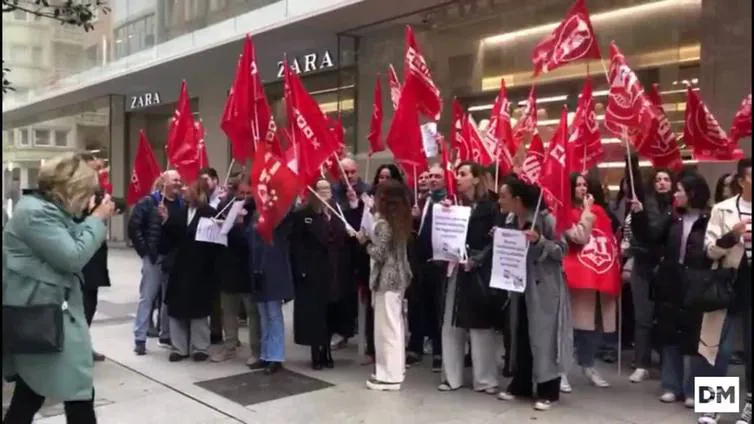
(69, 181)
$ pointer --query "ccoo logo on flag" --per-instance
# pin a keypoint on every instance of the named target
(716, 394)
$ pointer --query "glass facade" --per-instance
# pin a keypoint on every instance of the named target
(470, 49)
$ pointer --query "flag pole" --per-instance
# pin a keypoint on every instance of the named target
(342, 218)
(227, 173)
(416, 188)
(343, 171)
(537, 208)
(369, 162)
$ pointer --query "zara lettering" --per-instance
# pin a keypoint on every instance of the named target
(311, 62)
(145, 100)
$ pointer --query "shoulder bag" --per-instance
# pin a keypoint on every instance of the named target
(34, 329)
(709, 290)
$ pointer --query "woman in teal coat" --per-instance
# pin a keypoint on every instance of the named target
(44, 252)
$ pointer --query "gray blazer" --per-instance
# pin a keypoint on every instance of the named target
(548, 304)
(390, 269)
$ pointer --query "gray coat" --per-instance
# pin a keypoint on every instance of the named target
(548, 306)
(390, 269)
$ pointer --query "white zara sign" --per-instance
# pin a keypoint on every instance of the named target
(139, 101)
(308, 63)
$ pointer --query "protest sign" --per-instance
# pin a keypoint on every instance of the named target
(509, 250)
(449, 228)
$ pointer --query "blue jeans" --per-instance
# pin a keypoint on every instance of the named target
(678, 371)
(153, 282)
(587, 342)
(271, 323)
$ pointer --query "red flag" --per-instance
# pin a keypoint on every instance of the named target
(375, 126)
(554, 179)
(404, 138)
(572, 40)
(104, 180)
(264, 129)
(275, 188)
(449, 172)
(595, 265)
(742, 121)
(458, 142)
(584, 142)
(203, 159)
(418, 79)
(532, 166)
(526, 125)
(236, 118)
(704, 135)
(498, 138)
(308, 127)
(395, 86)
(629, 112)
(144, 171)
(660, 144)
(479, 153)
(183, 146)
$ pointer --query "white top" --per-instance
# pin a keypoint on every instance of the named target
(744, 209)
(191, 213)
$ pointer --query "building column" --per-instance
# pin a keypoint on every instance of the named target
(23, 181)
(120, 172)
(725, 74)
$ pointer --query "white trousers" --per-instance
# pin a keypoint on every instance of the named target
(389, 337)
(483, 348)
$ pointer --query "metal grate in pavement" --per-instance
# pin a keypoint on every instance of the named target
(256, 387)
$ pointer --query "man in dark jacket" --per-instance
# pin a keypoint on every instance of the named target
(146, 230)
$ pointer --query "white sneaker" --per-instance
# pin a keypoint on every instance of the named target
(542, 405)
(505, 396)
(594, 376)
(382, 386)
(639, 375)
(708, 418)
(565, 385)
(668, 397)
(689, 403)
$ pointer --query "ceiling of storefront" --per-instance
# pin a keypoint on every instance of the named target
(268, 45)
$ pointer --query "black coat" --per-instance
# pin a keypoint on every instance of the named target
(674, 324)
(145, 228)
(645, 245)
(95, 271)
(476, 304)
(232, 265)
(322, 276)
(192, 280)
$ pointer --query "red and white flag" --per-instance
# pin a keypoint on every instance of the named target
(741, 126)
(532, 166)
(704, 135)
(572, 40)
(498, 137)
(375, 125)
(144, 172)
(479, 152)
(236, 119)
(308, 127)
(629, 112)
(526, 125)
(660, 145)
(595, 265)
(404, 138)
(203, 159)
(584, 142)
(183, 146)
(458, 143)
(449, 172)
(274, 187)
(263, 127)
(554, 178)
(418, 79)
(395, 86)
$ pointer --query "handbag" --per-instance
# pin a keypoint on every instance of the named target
(34, 329)
(709, 290)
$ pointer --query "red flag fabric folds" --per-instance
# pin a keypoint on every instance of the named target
(183, 146)
(526, 125)
(584, 142)
(554, 179)
(660, 144)
(274, 188)
(595, 265)
(236, 118)
(532, 166)
(572, 40)
(375, 125)
(418, 79)
(741, 126)
(309, 128)
(395, 86)
(144, 172)
(704, 135)
(203, 158)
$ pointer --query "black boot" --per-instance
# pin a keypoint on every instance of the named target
(316, 354)
(327, 357)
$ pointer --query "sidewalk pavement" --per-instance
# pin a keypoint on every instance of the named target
(149, 389)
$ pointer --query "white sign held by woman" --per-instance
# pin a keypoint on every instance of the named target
(449, 228)
(509, 249)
